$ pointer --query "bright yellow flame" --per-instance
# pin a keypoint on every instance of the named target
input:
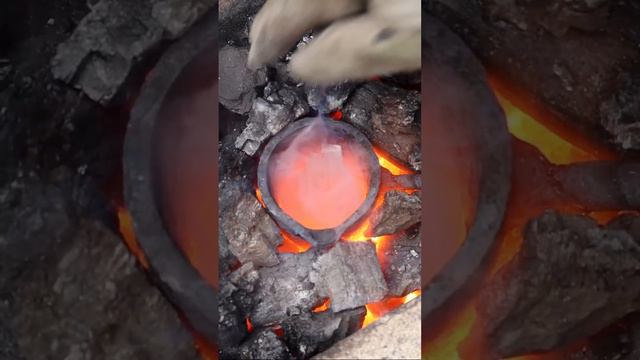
(125, 225)
(388, 163)
(324, 306)
(411, 296)
(378, 309)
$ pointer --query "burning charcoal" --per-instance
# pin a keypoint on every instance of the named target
(245, 277)
(329, 99)
(253, 236)
(264, 344)
(400, 182)
(388, 116)
(238, 84)
(99, 56)
(401, 266)
(284, 290)
(266, 119)
(291, 97)
(350, 275)
(308, 334)
(619, 114)
(396, 335)
(571, 279)
(231, 324)
(399, 211)
(602, 185)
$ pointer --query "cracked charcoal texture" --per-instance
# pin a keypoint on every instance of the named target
(107, 45)
(284, 290)
(308, 334)
(388, 116)
(231, 324)
(251, 233)
(350, 275)
(281, 105)
(264, 344)
(402, 264)
(237, 89)
(398, 212)
(619, 114)
(571, 279)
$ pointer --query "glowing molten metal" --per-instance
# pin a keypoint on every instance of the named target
(319, 179)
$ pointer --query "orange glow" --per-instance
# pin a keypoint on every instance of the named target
(386, 161)
(559, 145)
(361, 231)
(259, 197)
(336, 115)
(324, 306)
(292, 244)
(378, 309)
(531, 122)
(125, 224)
(249, 325)
(278, 330)
(358, 233)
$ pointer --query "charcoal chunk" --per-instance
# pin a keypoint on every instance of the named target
(308, 334)
(231, 327)
(570, 279)
(400, 182)
(252, 235)
(264, 344)
(399, 211)
(237, 89)
(177, 16)
(389, 118)
(402, 265)
(244, 280)
(245, 277)
(291, 97)
(265, 120)
(619, 114)
(284, 290)
(350, 275)
(115, 36)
